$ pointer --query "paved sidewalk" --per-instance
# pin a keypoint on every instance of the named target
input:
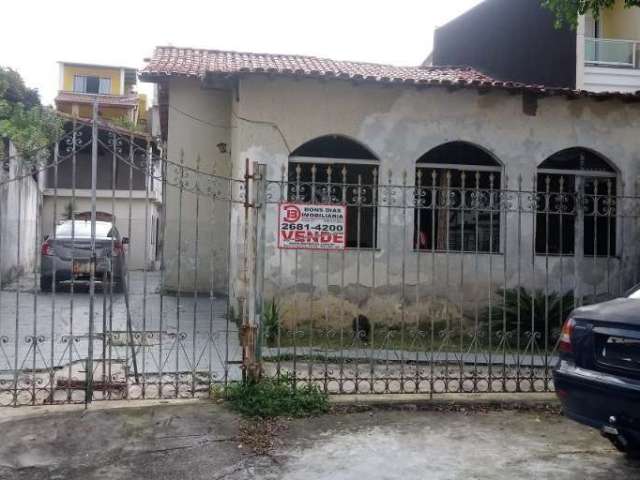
(199, 440)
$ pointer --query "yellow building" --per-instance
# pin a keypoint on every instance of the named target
(114, 87)
(620, 23)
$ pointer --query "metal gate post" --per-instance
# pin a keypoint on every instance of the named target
(247, 334)
(261, 216)
(251, 301)
(579, 243)
(92, 269)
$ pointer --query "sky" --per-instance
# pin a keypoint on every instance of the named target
(36, 34)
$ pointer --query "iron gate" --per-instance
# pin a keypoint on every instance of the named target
(114, 271)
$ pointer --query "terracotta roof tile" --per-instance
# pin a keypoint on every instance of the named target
(197, 63)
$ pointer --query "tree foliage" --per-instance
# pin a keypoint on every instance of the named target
(30, 126)
(568, 11)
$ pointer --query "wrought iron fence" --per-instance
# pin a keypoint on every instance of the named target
(116, 284)
(454, 279)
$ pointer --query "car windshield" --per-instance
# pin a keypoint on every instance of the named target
(82, 229)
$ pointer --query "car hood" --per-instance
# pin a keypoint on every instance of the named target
(620, 310)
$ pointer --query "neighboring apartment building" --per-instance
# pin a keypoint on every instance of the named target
(509, 40)
(126, 192)
(114, 87)
(608, 56)
(516, 40)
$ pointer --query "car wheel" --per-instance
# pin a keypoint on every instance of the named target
(45, 284)
(632, 450)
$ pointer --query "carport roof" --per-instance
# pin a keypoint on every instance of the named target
(88, 98)
(199, 63)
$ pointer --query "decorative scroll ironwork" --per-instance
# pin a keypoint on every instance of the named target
(499, 306)
(464, 278)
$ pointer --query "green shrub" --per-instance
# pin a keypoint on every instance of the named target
(271, 322)
(277, 397)
(531, 304)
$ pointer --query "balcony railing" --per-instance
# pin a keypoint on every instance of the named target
(616, 53)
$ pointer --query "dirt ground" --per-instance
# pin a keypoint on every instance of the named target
(201, 440)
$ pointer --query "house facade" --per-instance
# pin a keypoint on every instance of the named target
(402, 130)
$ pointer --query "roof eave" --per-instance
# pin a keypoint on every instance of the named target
(513, 87)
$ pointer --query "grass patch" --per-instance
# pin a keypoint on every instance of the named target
(277, 397)
(412, 340)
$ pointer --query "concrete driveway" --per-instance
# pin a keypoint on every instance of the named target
(206, 441)
(42, 333)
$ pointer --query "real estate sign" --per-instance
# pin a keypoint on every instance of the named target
(312, 227)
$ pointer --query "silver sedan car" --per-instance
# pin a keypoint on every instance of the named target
(66, 255)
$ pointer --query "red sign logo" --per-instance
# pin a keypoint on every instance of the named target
(292, 214)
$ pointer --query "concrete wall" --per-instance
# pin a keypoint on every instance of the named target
(269, 117)
(198, 121)
(19, 207)
(399, 126)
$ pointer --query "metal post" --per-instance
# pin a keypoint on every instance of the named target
(579, 241)
(250, 310)
(92, 275)
(261, 221)
(16, 374)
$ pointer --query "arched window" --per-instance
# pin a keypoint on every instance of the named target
(576, 192)
(336, 169)
(457, 206)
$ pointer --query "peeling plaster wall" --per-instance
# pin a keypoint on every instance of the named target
(399, 125)
(198, 121)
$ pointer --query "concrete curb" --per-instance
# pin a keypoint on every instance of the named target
(522, 399)
(8, 414)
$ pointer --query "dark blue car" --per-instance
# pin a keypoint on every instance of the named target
(598, 376)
